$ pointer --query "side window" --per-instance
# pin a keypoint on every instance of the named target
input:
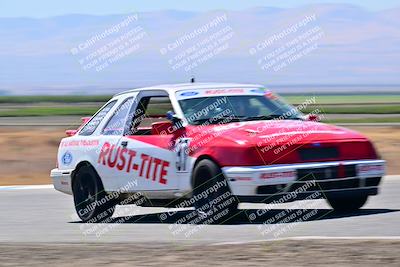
(116, 125)
(91, 126)
(158, 106)
(149, 110)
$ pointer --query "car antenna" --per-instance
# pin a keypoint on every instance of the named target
(193, 80)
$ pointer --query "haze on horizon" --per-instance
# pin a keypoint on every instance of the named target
(358, 45)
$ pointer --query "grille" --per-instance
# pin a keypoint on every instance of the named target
(317, 173)
(372, 181)
(268, 189)
(339, 184)
(326, 173)
(318, 153)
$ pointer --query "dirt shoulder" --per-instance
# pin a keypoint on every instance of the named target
(27, 156)
(387, 141)
(281, 253)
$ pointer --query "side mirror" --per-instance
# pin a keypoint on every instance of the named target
(177, 122)
(171, 116)
(313, 117)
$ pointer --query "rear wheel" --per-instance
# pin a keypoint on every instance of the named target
(92, 203)
(213, 199)
(346, 204)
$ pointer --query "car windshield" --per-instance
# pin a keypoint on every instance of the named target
(233, 108)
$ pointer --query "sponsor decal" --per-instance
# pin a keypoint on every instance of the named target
(67, 158)
(189, 93)
(258, 91)
(225, 91)
(241, 178)
(79, 143)
(278, 175)
(128, 160)
(220, 92)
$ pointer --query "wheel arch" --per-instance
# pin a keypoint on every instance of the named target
(200, 158)
(84, 164)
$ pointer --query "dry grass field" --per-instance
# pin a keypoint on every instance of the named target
(27, 156)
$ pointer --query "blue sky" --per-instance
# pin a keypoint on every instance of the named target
(46, 8)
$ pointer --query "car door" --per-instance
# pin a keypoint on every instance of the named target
(154, 165)
(136, 160)
(111, 156)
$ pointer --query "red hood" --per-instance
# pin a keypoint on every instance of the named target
(274, 142)
(254, 132)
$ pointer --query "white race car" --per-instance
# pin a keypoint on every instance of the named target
(211, 146)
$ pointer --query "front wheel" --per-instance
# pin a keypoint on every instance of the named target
(213, 199)
(346, 204)
(92, 203)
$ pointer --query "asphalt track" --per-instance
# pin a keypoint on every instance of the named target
(36, 214)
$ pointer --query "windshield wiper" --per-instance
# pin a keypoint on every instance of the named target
(229, 119)
(264, 117)
(226, 119)
(270, 117)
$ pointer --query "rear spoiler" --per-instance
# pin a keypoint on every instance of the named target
(73, 132)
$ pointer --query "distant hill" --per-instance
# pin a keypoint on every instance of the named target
(357, 47)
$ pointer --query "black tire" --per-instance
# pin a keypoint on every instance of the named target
(92, 204)
(213, 199)
(347, 204)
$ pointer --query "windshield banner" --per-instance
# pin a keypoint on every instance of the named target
(193, 93)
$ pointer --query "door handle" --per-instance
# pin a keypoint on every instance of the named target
(124, 143)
